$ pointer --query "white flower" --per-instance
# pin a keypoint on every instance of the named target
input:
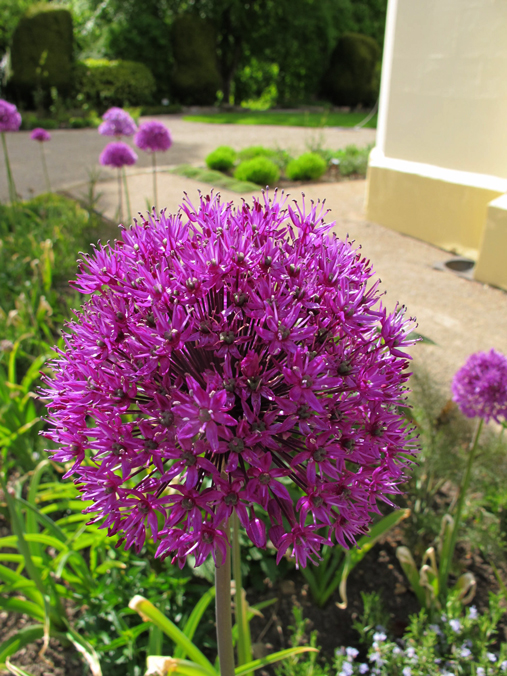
(455, 625)
(436, 629)
(443, 617)
(347, 669)
(396, 650)
(503, 666)
(480, 671)
(379, 636)
(352, 652)
(472, 613)
(465, 652)
(410, 652)
(491, 657)
(376, 657)
(363, 668)
(407, 671)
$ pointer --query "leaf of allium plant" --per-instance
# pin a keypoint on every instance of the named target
(270, 659)
(195, 617)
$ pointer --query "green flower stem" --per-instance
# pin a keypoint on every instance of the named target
(154, 171)
(243, 644)
(224, 616)
(120, 199)
(127, 195)
(45, 167)
(13, 196)
(447, 560)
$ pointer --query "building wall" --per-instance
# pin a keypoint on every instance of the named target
(447, 98)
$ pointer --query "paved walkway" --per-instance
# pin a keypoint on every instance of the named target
(461, 316)
(72, 153)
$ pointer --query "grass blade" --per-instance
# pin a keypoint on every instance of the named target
(270, 659)
(195, 617)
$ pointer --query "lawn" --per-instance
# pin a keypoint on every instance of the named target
(286, 119)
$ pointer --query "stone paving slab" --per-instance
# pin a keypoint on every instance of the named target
(461, 316)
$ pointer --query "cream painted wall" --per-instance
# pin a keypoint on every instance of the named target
(445, 102)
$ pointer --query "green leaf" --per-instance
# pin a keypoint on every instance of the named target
(161, 665)
(24, 607)
(20, 639)
(195, 617)
(13, 669)
(15, 581)
(407, 562)
(271, 659)
(148, 612)
(87, 651)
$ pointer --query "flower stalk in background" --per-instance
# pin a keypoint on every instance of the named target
(118, 155)
(153, 137)
(10, 120)
(232, 365)
(42, 136)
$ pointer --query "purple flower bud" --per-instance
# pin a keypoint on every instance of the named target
(117, 155)
(241, 407)
(117, 122)
(10, 119)
(39, 134)
(153, 137)
(480, 386)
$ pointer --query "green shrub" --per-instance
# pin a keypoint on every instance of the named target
(352, 76)
(221, 159)
(31, 121)
(106, 83)
(41, 52)
(259, 170)
(353, 160)
(196, 78)
(307, 167)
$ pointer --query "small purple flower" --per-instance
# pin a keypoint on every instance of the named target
(117, 122)
(153, 137)
(455, 626)
(10, 119)
(41, 135)
(223, 365)
(480, 386)
(117, 154)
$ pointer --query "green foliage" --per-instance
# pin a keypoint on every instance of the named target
(215, 178)
(302, 665)
(286, 119)
(352, 76)
(453, 643)
(141, 32)
(104, 83)
(42, 51)
(350, 160)
(307, 167)
(280, 157)
(196, 79)
(11, 12)
(259, 170)
(221, 159)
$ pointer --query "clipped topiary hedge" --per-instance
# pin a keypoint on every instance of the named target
(106, 83)
(352, 77)
(196, 79)
(42, 51)
(259, 170)
(307, 167)
(221, 159)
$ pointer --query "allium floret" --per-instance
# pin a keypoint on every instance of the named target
(10, 119)
(39, 134)
(117, 155)
(153, 137)
(117, 122)
(480, 386)
(232, 360)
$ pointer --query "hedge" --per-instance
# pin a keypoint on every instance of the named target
(106, 83)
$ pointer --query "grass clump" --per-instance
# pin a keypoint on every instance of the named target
(221, 159)
(215, 178)
(259, 170)
(307, 167)
(280, 157)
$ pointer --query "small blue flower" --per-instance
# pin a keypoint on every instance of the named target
(352, 653)
(455, 625)
(472, 613)
(491, 657)
(363, 668)
(407, 671)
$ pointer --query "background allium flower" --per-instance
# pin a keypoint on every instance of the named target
(117, 122)
(153, 137)
(232, 360)
(40, 134)
(117, 155)
(480, 386)
(10, 119)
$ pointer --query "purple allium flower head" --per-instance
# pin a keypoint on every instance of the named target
(480, 386)
(40, 134)
(117, 154)
(10, 119)
(153, 137)
(117, 122)
(232, 360)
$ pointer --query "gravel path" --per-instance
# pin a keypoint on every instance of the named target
(71, 153)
